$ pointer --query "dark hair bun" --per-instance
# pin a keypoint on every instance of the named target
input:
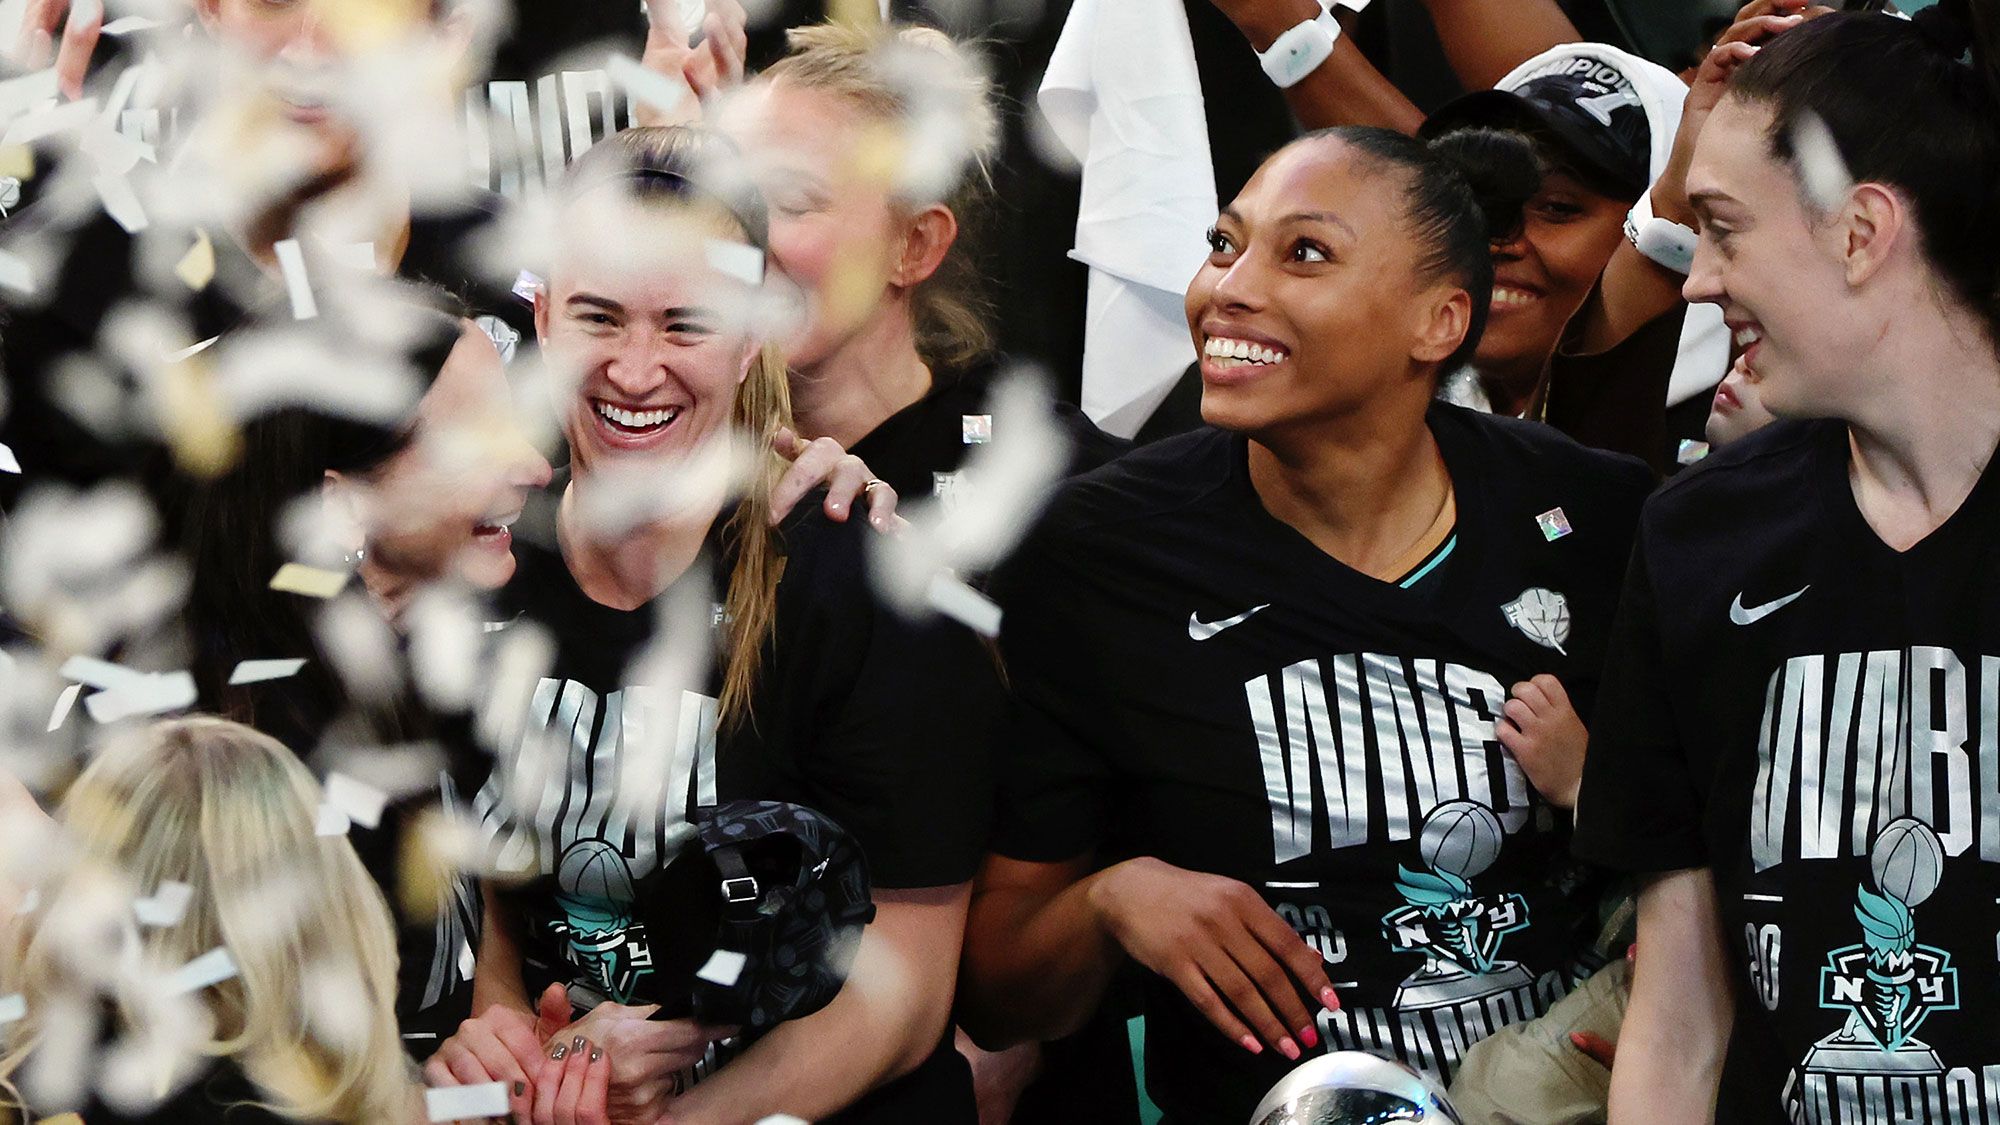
(1501, 168)
(1947, 25)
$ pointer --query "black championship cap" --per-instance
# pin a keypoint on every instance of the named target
(1589, 109)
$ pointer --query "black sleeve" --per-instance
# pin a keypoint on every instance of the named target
(1617, 399)
(893, 719)
(1639, 809)
(1053, 781)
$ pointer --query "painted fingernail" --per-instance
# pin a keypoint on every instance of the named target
(576, 1044)
(1288, 1049)
(1330, 999)
(520, 1087)
(1309, 1036)
(560, 1051)
(1251, 1045)
(596, 1053)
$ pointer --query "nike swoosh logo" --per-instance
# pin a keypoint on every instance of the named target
(1755, 614)
(1199, 630)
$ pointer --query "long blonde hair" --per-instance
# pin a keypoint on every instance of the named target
(892, 75)
(683, 167)
(231, 813)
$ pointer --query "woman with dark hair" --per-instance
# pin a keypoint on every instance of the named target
(1268, 660)
(1795, 743)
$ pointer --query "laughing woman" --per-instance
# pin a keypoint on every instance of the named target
(1269, 660)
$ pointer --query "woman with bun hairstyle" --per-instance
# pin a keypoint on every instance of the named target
(1795, 742)
(1263, 665)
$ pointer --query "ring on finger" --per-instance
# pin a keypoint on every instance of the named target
(871, 485)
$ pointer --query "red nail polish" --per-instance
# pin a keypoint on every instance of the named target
(1251, 1045)
(1288, 1049)
(1309, 1035)
(1330, 999)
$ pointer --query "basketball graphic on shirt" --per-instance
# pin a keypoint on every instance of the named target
(1462, 837)
(593, 869)
(1541, 615)
(1908, 860)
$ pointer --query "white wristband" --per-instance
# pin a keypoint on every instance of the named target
(1301, 49)
(1665, 242)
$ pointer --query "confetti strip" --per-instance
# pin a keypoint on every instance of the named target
(723, 968)
(121, 202)
(292, 261)
(257, 671)
(64, 704)
(454, 1103)
(8, 462)
(197, 267)
(155, 694)
(298, 578)
(212, 967)
(16, 273)
(736, 260)
(331, 822)
(128, 25)
(1822, 171)
(13, 1008)
(782, 1119)
(950, 596)
(361, 802)
(17, 161)
(167, 906)
(646, 87)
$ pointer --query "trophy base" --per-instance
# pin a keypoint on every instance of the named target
(1450, 986)
(1837, 1056)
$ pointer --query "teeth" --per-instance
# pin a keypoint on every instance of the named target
(638, 419)
(1509, 297)
(1747, 336)
(1219, 347)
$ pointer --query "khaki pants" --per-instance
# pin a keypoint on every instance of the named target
(1531, 1074)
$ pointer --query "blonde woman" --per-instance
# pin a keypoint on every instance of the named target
(819, 697)
(873, 150)
(304, 1027)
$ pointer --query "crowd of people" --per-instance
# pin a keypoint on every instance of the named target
(544, 599)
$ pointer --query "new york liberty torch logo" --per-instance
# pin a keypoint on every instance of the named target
(1458, 932)
(1889, 985)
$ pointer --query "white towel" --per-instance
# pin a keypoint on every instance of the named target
(1122, 94)
(1704, 351)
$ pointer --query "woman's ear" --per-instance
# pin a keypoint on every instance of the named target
(1870, 225)
(209, 12)
(926, 240)
(1443, 325)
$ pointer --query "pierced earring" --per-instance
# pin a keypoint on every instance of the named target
(353, 558)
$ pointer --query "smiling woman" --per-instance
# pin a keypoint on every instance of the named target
(1193, 625)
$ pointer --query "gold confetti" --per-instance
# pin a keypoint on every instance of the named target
(298, 578)
(17, 161)
(197, 267)
(205, 439)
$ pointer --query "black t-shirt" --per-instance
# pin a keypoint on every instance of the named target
(918, 449)
(880, 724)
(1617, 399)
(1196, 681)
(1815, 718)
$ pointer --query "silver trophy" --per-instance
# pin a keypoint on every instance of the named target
(1354, 1088)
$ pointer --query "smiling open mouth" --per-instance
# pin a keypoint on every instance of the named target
(1226, 353)
(636, 422)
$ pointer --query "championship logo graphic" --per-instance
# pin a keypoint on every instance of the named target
(595, 895)
(1541, 615)
(1888, 985)
(1459, 933)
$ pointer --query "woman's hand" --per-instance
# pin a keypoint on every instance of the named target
(1755, 25)
(1541, 729)
(714, 66)
(823, 463)
(572, 1086)
(500, 1044)
(1222, 945)
(646, 1054)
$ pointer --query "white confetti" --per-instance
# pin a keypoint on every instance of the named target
(644, 86)
(257, 671)
(298, 578)
(950, 596)
(166, 907)
(64, 704)
(454, 1103)
(101, 674)
(723, 967)
(13, 1008)
(736, 260)
(8, 462)
(292, 262)
(782, 1119)
(362, 802)
(16, 273)
(158, 693)
(212, 967)
(331, 822)
(128, 25)
(1822, 171)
